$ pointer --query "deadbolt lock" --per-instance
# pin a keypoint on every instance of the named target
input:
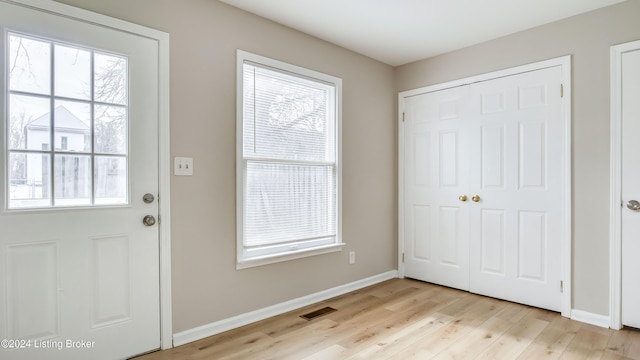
(148, 198)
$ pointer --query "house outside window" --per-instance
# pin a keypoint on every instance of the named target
(288, 161)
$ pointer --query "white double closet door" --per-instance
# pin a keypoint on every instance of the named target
(483, 177)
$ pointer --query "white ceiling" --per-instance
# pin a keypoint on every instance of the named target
(397, 32)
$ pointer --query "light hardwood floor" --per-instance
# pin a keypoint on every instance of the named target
(408, 319)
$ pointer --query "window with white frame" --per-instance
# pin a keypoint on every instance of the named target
(288, 161)
(66, 141)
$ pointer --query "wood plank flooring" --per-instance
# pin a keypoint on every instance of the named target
(408, 319)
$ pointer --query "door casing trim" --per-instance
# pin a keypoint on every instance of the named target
(164, 170)
(615, 181)
(565, 63)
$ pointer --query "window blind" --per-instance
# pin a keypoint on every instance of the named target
(289, 161)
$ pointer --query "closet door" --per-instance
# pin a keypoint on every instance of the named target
(436, 173)
(516, 166)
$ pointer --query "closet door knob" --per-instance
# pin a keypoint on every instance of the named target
(462, 198)
(475, 198)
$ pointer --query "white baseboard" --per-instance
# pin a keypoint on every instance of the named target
(591, 318)
(217, 327)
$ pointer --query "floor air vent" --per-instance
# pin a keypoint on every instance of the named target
(314, 314)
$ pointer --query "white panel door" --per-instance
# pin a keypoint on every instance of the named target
(436, 175)
(517, 176)
(79, 275)
(630, 311)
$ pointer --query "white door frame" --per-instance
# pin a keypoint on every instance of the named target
(615, 220)
(164, 198)
(565, 63)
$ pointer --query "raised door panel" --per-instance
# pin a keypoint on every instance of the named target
(533, 155)
(532, 246)
(448, 162)
(421, 159)
(32, 291)
(111, 279)
(420, 234)
(492, 242)
(449, 238)
(493, 156)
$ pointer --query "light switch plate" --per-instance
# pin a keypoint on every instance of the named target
(183, 166)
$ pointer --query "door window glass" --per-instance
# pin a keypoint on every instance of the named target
(67, 125)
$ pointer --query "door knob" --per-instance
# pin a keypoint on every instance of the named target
(633, 205)
(149, 220)
(475, 198)
(462, 198)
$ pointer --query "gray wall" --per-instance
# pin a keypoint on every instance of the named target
(587, 38)
(204, 37)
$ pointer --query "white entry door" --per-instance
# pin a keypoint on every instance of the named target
(436, 179)
(630, 311)
(483, 170)
(517, 167)
(79, 275)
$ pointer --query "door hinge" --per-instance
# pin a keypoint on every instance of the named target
(561, 90)
(402, 257)
(403, 116)
(561, 286)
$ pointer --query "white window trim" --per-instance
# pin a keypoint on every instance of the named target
(241, 261)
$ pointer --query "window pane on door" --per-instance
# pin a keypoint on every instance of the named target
(29, 65)
(29, 180)
(110, 79)
(72, 72)
(29, 123)
(72, 180)
(72, 120)
(110, 180)
(110, 130)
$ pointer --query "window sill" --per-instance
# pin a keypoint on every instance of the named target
(272, 259)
